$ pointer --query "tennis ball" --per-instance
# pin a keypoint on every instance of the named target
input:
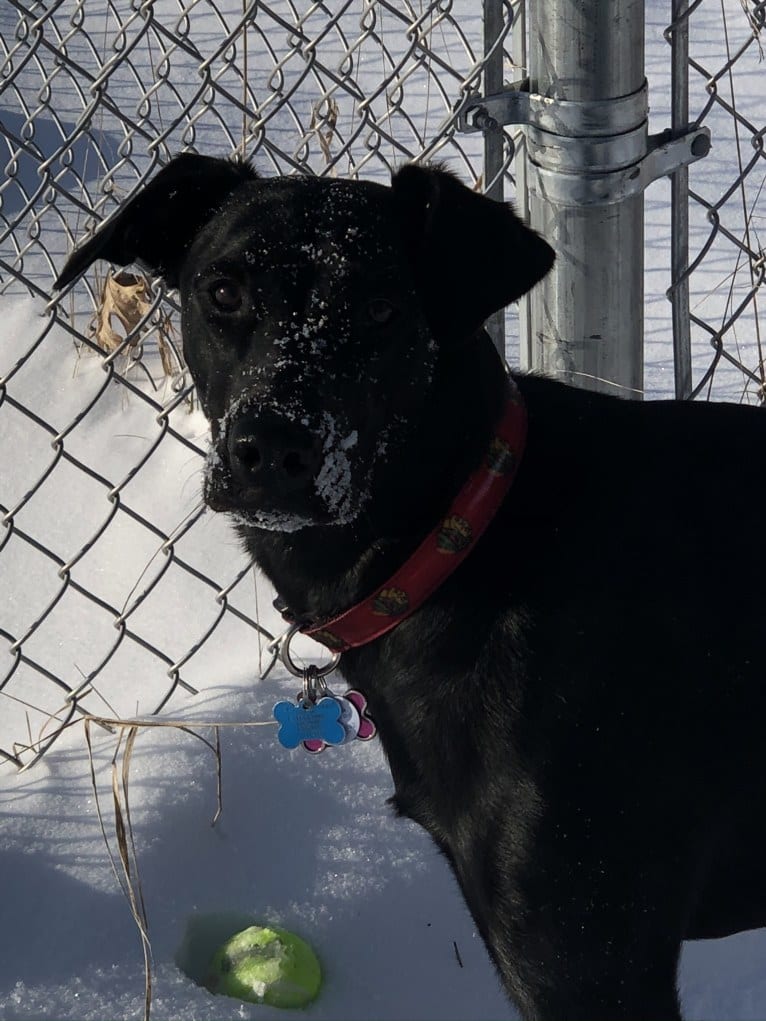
(261, 965)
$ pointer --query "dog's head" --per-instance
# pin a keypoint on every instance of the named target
(315, 313)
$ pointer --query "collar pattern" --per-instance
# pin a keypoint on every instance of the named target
(444, 548)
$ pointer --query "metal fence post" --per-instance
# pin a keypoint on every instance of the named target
(494, 17)
(679, 205)
(588, 157)
(586, 319)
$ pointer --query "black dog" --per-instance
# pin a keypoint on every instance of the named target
(576, 714)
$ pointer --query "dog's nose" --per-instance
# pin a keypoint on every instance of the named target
(268, 451)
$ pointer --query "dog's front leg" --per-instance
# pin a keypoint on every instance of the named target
(551, 983)
(605, 965)
(580, 940)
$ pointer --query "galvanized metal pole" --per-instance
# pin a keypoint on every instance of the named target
(519, 58)
(493, 140)
(679, 204)
(587, 315)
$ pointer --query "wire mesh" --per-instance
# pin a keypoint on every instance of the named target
(111, 567)
(727, 259)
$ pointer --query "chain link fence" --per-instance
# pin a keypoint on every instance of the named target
(109, 567)
(721, 43)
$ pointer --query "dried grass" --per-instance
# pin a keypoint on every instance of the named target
(755, 19)
(124, 860)
(328, 121)
(126, 317)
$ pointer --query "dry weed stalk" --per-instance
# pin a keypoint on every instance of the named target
(125, 861)
(755, 20)
(126, 300)
(329, 120)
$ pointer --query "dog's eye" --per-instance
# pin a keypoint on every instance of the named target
(380, 311)
(226, 295)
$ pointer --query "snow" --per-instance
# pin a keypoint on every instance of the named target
(282, 853)
(307, 843)
(334, 481)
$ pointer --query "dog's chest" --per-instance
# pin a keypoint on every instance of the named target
(437, 735)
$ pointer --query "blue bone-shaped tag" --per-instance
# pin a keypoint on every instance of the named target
(320, 721)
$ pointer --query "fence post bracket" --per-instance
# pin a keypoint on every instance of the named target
(586, 153)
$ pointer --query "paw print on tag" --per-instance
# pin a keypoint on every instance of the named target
(318, 721)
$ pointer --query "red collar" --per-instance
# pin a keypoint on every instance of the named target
(445, 548)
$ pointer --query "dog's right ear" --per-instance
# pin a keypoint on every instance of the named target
(158, 224)
(470, 256)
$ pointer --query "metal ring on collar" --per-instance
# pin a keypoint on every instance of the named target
(287, 660)
(314, 686)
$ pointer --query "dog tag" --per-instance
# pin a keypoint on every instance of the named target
(350, 720)
(349, 717)
(367, 729)
(309, 721)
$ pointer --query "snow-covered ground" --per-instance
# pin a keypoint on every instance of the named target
(307, 843)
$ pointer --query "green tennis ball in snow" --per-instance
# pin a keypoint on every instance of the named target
(261, 965)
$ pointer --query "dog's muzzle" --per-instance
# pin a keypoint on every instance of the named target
(270, 453)
(281, 469)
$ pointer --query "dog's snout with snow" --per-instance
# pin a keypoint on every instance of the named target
(304, 335)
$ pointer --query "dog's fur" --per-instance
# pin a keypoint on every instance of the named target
(576, 716)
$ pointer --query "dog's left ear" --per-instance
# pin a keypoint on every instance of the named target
(470, 255)
(157, 225)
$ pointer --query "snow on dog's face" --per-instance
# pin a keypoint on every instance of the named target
(315, 316)
(303, 332)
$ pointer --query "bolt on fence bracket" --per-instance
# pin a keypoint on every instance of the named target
(586, 153)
